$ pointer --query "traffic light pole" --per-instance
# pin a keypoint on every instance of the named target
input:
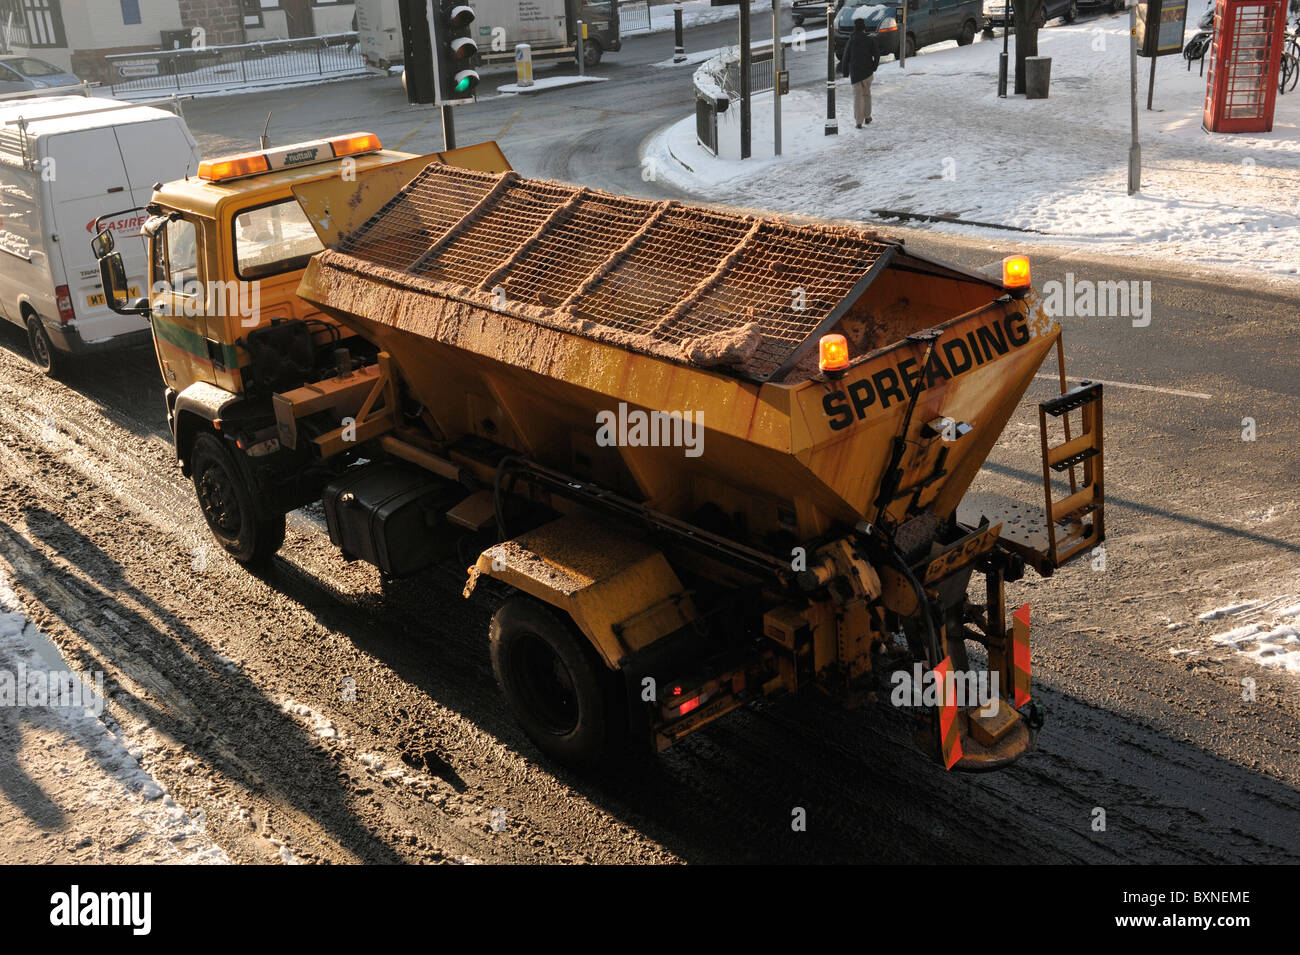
(448, 128)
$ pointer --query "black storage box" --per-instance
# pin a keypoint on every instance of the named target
(390, 515)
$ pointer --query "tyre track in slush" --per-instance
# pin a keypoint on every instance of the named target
(426, 702)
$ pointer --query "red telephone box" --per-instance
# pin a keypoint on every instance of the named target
(1244, 63)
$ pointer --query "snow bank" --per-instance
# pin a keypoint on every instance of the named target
(943, 143)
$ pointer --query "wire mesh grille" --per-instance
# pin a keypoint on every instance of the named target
(670, 273)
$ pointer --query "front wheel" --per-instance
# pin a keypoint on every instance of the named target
(591, 53)
(910, 46)
(967, 35)
(1072, 12)
(227, 504)
(43, 353)
(557, 689)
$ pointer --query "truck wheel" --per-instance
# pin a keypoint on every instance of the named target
(591, 53)
(967, 35)
(43, 353)
(227, 504)
(556, 687)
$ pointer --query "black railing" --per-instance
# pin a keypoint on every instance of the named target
(243, 64)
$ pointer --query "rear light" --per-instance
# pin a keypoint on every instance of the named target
(688, 706)
(1015, 272)
(63, 299)
(833, 359)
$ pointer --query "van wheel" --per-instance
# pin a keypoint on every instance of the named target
(43, 353)
(1072, 13)
(557, 689)
(227, 504)
(591, 53)
(967, 36)
(1118, 6)
(911, 46)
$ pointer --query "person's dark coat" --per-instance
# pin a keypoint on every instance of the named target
(861, 56)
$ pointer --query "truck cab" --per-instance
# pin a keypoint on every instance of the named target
(226, 252)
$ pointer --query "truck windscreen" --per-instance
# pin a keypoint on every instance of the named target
(272, 239)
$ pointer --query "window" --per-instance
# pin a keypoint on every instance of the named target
(33, 23)
(182, 255)
(130, 12)
(252, 13)
(30, 66)
(273, 239)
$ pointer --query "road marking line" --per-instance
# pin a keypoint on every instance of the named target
(1124, 384)
(509, 122)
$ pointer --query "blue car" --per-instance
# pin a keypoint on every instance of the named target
(20, 74)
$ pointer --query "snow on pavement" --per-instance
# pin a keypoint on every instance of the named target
(70, 789)
(943, 143)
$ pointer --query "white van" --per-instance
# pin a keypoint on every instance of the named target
(64, 162)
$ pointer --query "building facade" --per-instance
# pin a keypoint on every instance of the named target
(79, 34)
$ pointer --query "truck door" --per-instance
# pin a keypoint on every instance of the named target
(177, 298)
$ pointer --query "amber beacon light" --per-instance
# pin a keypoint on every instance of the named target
(1015, 273)
(833, 359)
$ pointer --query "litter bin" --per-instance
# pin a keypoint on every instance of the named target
(1038, 73)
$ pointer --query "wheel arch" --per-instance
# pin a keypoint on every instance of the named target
(621, 594)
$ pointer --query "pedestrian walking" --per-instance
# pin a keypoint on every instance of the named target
(861, 57)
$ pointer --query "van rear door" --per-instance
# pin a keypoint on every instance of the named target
(111, 169)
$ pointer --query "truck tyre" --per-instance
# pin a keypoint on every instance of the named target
(967, 35)
(227, 504)
(591, 53)
(43, 353)
(557, 689)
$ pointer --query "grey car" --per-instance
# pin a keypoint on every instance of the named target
(22, 73)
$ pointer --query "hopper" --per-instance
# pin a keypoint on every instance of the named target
(524, 314)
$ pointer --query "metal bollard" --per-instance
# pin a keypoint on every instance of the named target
(582, 65)
(679, 51)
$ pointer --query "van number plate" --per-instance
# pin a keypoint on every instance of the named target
(98, 297)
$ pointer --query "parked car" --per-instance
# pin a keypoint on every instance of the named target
(22, 73)
(804, 10)
(1001, 13)
(928, 21)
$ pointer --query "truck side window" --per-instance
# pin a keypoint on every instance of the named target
(182, 256)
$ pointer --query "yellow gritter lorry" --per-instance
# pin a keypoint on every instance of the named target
(706, 457)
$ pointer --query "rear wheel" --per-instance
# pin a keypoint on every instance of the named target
(558, 690)
(967, 35)
(43, 353)
(227, 504)
(1118, 6)
(1072, 12)
(911, 46)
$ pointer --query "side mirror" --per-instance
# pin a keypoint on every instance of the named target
(103, 243)
(112, 276)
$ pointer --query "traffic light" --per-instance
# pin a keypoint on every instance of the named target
(439, 55)
(458, 79)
